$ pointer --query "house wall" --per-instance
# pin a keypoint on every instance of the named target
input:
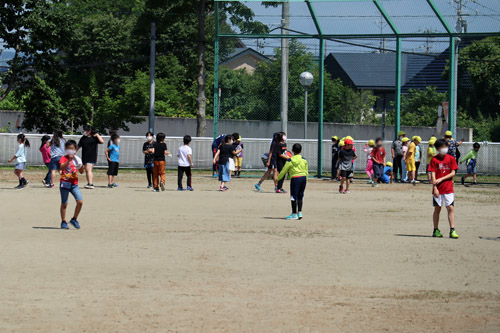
(248, 62)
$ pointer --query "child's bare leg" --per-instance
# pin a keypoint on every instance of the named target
(63, 211)
(222, 184)
(268, 172)
(475, 177)
(347, 183)
(467, 175)
(451, 216)
(275, 177)
(342, 181)
(53, 175)
(435, 217)
(110, 179)
(78, 208)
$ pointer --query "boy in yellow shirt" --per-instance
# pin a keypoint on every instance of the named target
(410, 159)
(298, 169)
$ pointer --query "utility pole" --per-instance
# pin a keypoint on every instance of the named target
(461, 27)
(152, 56)
(285, 24)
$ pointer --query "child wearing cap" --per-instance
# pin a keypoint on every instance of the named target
(410, 159)
(346, 159)
(378, 158)
(471, 160)
(369, 163)
(335, 156)
(431, 152)
(418, 158)
(452, 144)
(397, 155)
(443, 168)
(238, 159)
(404, 174)
(298, 170)
(387, 176)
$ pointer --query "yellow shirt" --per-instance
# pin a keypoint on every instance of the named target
(410, 155)
(431, 151)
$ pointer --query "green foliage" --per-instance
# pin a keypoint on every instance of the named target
(10, 103)
(420, 107)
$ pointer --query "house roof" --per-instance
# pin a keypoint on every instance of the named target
(240, 52)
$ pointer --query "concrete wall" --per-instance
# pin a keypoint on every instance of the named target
(265, 129)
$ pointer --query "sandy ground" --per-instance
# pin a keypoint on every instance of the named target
(211, 261)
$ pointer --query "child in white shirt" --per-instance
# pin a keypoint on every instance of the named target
(185, 155)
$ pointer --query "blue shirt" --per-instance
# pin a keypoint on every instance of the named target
(21, 154)
(417, 153)
(386, 177)
(114, 153)
(57, 151)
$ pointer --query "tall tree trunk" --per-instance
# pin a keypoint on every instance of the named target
(201, 99)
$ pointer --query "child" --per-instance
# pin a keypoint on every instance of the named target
(281, 152)
(418, 158)
(20, 158)
(297, 166)
(113, 156)
(56, 152)
(443, 168)
(147, 150)
(410, 159)
(346, 158)
(45, 150)
(387, 176)
(404, 174)
(431, 152)
(341, 147)
(271, 164)
(471, 159)
(369, 162)
(159, 152)
(185, 155)
(70, 164)
(335, 156)
(378, 158)
(238, 159)
(225, 152)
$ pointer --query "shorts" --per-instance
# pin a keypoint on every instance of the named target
(74, 190)
(224, 173)
(238, 161)
(21, 166)
(448, 199)
(346, 174)
(84, 162)
(113, 168)
(297, 188)
(471, 167)
(410, 166)
(274, 162)
(378, 170)
(54, 163)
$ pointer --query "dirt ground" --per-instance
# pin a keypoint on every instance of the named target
(210, 261)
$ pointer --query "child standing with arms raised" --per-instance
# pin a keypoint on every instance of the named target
(70, 165)
(443, 168)
(20, 158)
(185, 156)
(113, 156)
(298, 170)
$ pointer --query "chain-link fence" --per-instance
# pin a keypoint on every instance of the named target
(131, 153)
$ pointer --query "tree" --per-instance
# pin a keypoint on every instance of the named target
(419, 107)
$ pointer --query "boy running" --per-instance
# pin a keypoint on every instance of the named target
(443, 168)
(298, 168)
(471, 159)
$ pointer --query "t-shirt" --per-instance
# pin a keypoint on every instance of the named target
(226, 152)
(386, 176)
(57, 151)
(160, 149)
(89, 148)
(114, 153)
(417, 153)
(368, 150)
(410, 155)
(238, 147)
(182, 154)
(452, 148)
(431, 151)
(397, 145)
(346, 157)
(378, 154)
(45, 153)
(70, 174)
(281, 149)
(335, 151)
(21, 154)
(442, 167)
(148, 158)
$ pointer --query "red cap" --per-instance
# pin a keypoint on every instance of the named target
(348, 142)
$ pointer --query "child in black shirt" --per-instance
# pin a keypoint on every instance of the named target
(225, 152)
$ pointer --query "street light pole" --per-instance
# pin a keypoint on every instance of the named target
(305, 115)
(305, 79)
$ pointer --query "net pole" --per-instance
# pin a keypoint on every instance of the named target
(397, 124)
(285, 22)
(320, 104)
(216, 72)
(452, 80)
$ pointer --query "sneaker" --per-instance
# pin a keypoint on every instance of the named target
(223, 189)
(374, 184)
(44, 182)
(179, 189)
(190, 188)
(110, 186)
(299, 215)
(347, 192)
(89, 186)
(226, 188)
(64, 225)
(292, 217)
(341, 189)
(74, 223)
(149, 186)
(453, 234)
(215, 175)
(257, 187)
(280, 191)
(437, 233)
(370, 182)
(26, 182)
(19, 187)
(51, 186)
(115, 185)
(156, 190)
(162, 186)
(474, 183)
(462, 180)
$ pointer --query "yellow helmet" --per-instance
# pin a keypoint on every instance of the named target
(401, 133)
(405, 139)
(416, 137)
(389, 164)
(448, 133)
(432, 141)
(349, 137)
(343, 138)
(341, 143)
(335, 137)
(371, 143)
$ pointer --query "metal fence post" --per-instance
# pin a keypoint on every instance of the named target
(320, 104)
(452, 78)
(216, 72)
(397, 125)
